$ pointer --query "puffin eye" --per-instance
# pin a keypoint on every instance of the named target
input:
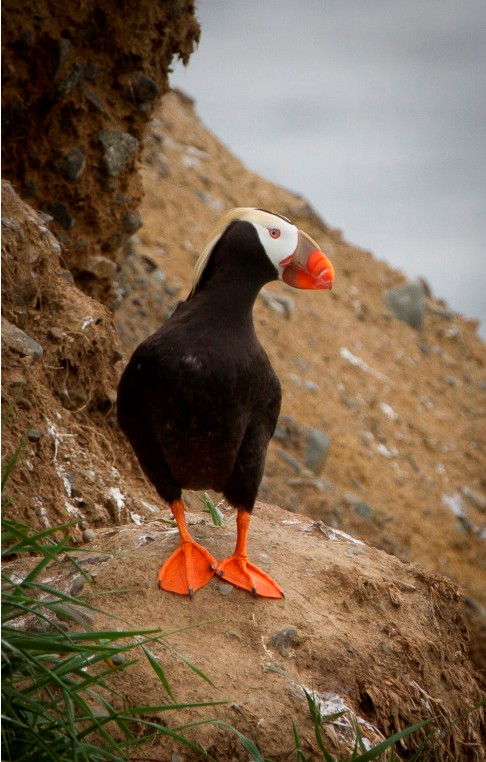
(274, 232)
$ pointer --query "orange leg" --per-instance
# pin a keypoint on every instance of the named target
(190, 566)
(240, 572)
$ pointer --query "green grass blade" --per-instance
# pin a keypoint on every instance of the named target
(194, 668)
(12, 461)
(299, 754)
(247, 743)
(315, 714)
(158, 671)
(388, 742)
(171, 707)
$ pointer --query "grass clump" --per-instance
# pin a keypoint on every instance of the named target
(58, 700)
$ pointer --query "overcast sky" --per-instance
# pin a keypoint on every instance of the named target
(374, 110)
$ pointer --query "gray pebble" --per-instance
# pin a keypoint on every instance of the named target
(132, 222)
(10, 224)
(92, 98)
(146, 539)
(89, 535)
(158, 276)
(288, 458)
(144, 88)
(118, 658)
(283, 638)
(72, 164)
(318, 443)
(56, 334)
(33, 435)
(407, 303)
(99, 266)
(364, 510)
(224, 588)
(172, 289)
(18, 341)
(118, 150)
(33, 256)
(285, 427)
(283, 305)
(77, 586)
(61, 213)
(72, 78)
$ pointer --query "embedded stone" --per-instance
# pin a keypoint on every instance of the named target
(407, 303)
(118, 150)
(19, 341)
(100, 267)
(72, 164)
(284, 638)
(77, 586)
(144, 89)
(56, 334)
(132, 222)
(318, 443)
(61, 213)
(89, 535)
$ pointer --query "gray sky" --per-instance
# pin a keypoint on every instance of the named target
(374, 110)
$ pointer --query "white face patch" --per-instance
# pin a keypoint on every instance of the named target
(278, 237)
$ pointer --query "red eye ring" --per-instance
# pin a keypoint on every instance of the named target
(274, 232)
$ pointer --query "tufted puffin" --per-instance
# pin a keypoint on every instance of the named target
(199, 400)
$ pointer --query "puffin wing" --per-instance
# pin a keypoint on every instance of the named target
(241, 488)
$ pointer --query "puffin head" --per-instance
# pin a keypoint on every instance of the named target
(297, 259)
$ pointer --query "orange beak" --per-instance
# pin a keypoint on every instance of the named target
(307, 267)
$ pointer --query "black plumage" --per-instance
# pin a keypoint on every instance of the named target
(199, 400)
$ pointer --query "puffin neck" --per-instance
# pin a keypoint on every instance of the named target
(234, 274)
(229, 296)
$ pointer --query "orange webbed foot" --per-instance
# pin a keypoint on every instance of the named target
(240, 572)
(189, 567)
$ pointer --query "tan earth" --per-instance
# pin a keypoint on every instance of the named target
(405, 411)
(365, 632)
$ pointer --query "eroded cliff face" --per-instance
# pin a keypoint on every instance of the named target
(79, 82)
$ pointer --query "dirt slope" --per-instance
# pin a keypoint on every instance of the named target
(340, 357)
(367, 633)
